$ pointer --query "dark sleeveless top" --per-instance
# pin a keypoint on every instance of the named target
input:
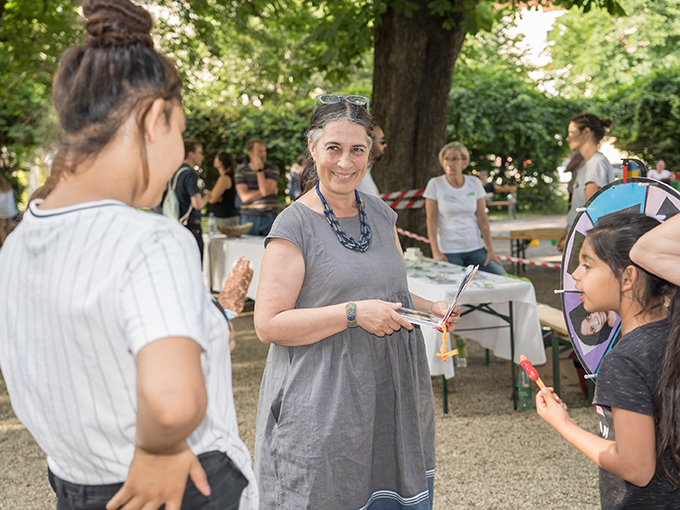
(225, 207)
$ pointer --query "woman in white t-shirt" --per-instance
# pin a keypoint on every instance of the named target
(660, 173)
(456, 214)
(115, 357)
(586, 131)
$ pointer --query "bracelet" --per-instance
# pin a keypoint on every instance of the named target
(351, 310)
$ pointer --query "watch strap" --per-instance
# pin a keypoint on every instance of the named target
(351, 311)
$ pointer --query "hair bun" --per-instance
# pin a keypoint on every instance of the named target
(116, 23)
(607, 123)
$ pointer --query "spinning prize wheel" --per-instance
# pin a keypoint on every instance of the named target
(593, 335)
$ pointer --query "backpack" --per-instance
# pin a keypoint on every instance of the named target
(170, 206)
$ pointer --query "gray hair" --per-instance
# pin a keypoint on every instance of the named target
(324, 115)
(454, 146)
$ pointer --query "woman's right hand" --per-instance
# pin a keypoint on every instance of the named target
(439, 256)
(154, 480)
(380, 318)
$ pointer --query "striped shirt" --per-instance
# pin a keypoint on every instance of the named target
(265, 206)
(84, 289)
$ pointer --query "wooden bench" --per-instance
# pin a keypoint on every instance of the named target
(554, 319)
(510, 202)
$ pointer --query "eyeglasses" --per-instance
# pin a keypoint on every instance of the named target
(453, 160)
(339, 98)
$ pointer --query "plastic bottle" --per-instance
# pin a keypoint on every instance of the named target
(523, 387)
(461, 358)
(211, 224)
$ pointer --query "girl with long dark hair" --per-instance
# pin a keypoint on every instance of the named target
(626, 450)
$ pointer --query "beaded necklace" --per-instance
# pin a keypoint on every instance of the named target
(348, 241)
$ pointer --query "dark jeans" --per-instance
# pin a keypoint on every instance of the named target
(226, 483)
(261, 224)
(195, 229)
(476, 258)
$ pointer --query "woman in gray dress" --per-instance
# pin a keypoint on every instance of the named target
(346, 413)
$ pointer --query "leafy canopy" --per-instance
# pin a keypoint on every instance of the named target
(595, 53)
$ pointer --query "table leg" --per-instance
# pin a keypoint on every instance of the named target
(511, 322)
(556, 362)
(445, 395)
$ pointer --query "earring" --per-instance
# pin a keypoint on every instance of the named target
(146, 135)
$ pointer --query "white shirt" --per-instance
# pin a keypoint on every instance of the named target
(663, 174)
(597, 170)
(457, 227)
(84, 289)
(367, 185)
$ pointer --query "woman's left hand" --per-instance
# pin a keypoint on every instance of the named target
(490, 255)
(439, 308)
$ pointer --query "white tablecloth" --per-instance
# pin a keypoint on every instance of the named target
(224, 251)
(440, 280)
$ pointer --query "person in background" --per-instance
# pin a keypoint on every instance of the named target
(294, 178)
(489, 186)
(240, 160)
(586, 131)
(8, 208)
(223, 194)
(660, 173)
(367, 185)
(346, 414)
(455, 205)
(191, 201)
(574, 164)
(116, 358)
(257, 184)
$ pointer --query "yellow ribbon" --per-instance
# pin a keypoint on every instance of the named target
(442, 352)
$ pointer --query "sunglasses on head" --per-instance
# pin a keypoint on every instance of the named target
(339, 98)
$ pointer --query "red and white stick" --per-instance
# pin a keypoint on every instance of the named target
(531, 371)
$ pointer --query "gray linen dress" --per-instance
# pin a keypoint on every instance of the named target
(346, 422)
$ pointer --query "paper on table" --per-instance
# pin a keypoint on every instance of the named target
(427, 319)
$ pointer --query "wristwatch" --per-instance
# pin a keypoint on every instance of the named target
(351, 310)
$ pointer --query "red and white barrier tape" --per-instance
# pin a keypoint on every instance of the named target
(530, 262)
(396, 195)
(406, 204)
(412, 235)
(502, 257)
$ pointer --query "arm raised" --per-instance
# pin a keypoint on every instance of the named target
(632, 456)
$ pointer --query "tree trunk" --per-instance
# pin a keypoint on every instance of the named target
(414, 59)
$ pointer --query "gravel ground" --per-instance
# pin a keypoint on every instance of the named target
(488, 456)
